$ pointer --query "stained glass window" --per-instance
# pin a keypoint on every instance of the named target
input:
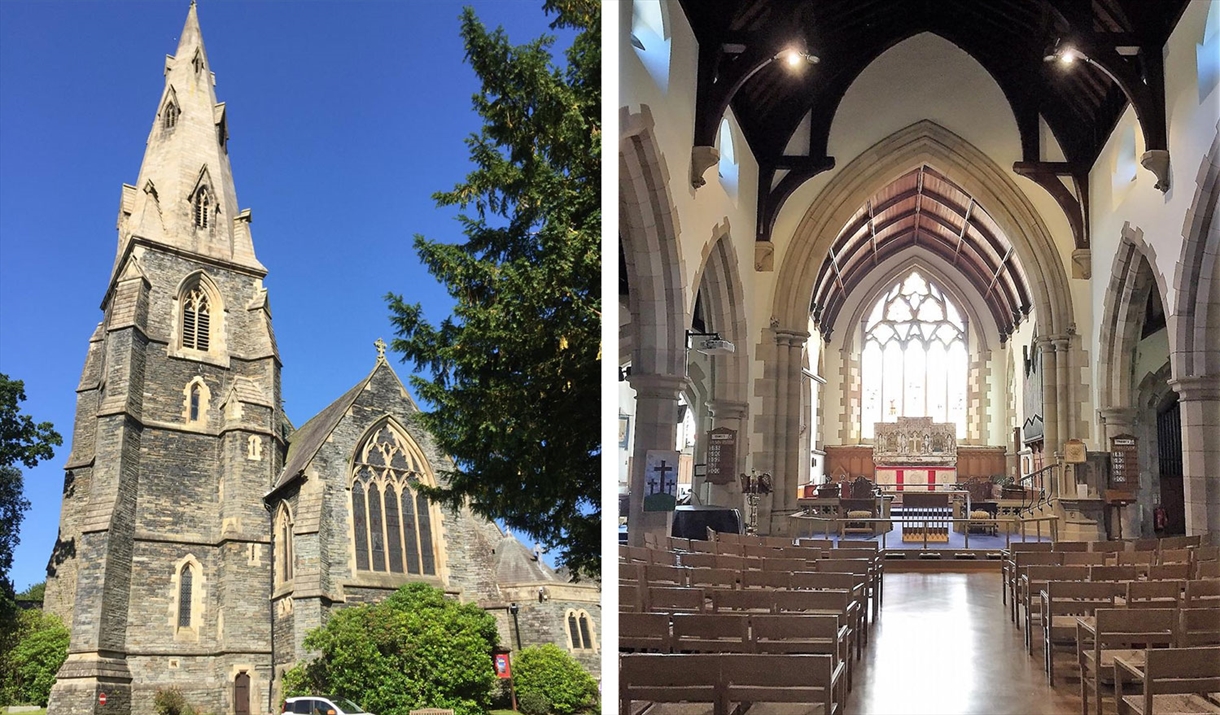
(391, 520)
(914, 361)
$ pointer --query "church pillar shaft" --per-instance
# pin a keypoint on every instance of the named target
(1050, 401)
(1200, 405)
(786, 439)
(1063, 384)
(656, 427)
(733, 415)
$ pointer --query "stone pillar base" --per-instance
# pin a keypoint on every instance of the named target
(83, 679)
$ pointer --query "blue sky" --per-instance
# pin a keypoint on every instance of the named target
(344, 118)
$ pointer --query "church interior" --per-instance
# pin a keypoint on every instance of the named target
(919, 356)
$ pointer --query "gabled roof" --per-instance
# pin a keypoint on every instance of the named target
(516, 564)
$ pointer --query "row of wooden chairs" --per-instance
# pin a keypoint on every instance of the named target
(1131, 634)
(727, 679)
(1172, 680)
(1063, 602)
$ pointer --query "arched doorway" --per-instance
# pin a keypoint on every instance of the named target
(241, 694)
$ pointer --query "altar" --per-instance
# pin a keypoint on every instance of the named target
(917, 457)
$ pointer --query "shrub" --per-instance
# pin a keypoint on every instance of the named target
(40, 646)
(549, 670)
(171, 702)
(416, 649)
(534, 704)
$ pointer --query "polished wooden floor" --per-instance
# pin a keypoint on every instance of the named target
(944, 646)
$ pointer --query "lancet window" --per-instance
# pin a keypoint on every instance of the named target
(202, 207)
(186, 585)
(580, 630)
(392, 522)
(170, 115)
(914, 358)
(284, 555)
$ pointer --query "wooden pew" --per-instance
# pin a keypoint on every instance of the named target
(1174, 680)
(662, 599)
(710, 633)
(1202, 593)
(662, 678)
(1012, 573)
(643, 632)
(1062, 602)
(789, 633)
(1155, 594)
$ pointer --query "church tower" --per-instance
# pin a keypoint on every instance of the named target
(163, 563)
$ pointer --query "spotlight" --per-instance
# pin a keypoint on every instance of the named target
(794, 58)
(1067, 56)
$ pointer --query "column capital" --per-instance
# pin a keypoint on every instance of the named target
(657, 386)
(1199, 388)
(1117, 415)
(791, 337)
(728, 409)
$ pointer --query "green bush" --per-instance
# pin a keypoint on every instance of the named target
(534, 704)
(549, 670)
(416, 649)
(27, 669)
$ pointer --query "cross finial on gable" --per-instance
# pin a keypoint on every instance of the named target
(380, 345)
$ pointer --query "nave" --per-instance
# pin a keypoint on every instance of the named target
(711, 626)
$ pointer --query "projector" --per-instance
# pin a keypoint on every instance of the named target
(715, 346)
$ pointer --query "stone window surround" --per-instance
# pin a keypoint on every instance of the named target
(217, 352)
(285, 554)
(197, 386)
(581, 616)
(198, 586)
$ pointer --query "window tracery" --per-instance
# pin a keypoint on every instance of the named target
(196, 320)
(392, 522)
(914, 358)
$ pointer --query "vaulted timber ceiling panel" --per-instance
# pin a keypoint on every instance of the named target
(923, 208)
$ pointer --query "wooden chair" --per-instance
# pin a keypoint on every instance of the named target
(1118, 632)
(1199, 627)
(1135, 558)
(701, 546)
(812, 680)
(838, 603)
(1155, 594)
(760, 551)
(662, 599)
(658, 575)
(1006, 562)
(1113, 573)
(1202, 593)
(644, 632)
(1179, 571)
(775, 563)
(1173, 556)
(1062, 603)
(630, 597)
(777, 541)
(1012, 573)
(1032, 580)
(1107, 547)
(859, 567)
(1072, 547)
(1207, 569)
(764, 579)
(662, 678)
(1085, 558)
(1145, 544)
(1174, 680)
(714, 578)
(710, 633)
(699, 560)
(1181, 542)
(746, 600)
(737, 563)
(733, 548)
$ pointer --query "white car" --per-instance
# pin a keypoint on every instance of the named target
(318, 705)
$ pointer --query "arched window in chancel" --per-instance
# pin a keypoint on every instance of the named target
(914, 358)
(391, 520)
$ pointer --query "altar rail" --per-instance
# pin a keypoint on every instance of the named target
(1021, 523)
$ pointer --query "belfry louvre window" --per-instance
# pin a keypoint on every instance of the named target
(202, 205)
(185, 586)
(196, 320)
(392, 523)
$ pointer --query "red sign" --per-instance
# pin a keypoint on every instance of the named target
(503, 667)
(101, 698)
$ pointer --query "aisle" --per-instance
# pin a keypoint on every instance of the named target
(944, 646)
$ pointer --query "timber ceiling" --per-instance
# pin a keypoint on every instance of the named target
(739, 41)
(924, 208)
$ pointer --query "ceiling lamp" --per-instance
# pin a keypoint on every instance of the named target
(1061, 52)
(797, 54)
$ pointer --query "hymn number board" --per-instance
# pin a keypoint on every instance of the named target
(1124, 459)
(722, 455)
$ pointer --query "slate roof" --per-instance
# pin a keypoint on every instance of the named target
(516, 564)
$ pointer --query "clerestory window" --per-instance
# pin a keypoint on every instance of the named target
(914, 359)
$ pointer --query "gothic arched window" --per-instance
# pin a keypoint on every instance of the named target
(186, 586)
(170, 117)
(580, 630)
(284, 556)
(392, 523)
(914, 360)
(202, 207)
(196, 320)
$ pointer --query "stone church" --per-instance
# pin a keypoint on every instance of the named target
(202, 535)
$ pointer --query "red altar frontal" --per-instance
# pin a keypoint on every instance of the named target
(912, 478)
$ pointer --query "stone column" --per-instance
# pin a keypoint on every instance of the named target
(1050, 402)
(1200, 404)
(733, 415)
(1064, 380)
(1116, 421)
(787, 441)
(656, 427)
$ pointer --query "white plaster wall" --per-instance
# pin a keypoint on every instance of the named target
(1192, 127)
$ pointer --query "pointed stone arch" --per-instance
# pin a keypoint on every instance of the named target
(1132, 277)
(719, 282)
(928, 143)
(648, 224)
(170, 110)
(1197, 288)
(195, 289)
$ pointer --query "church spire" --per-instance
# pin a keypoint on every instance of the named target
(184, 197)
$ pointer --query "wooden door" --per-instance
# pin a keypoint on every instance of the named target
(1169, 463)
(241, 694)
